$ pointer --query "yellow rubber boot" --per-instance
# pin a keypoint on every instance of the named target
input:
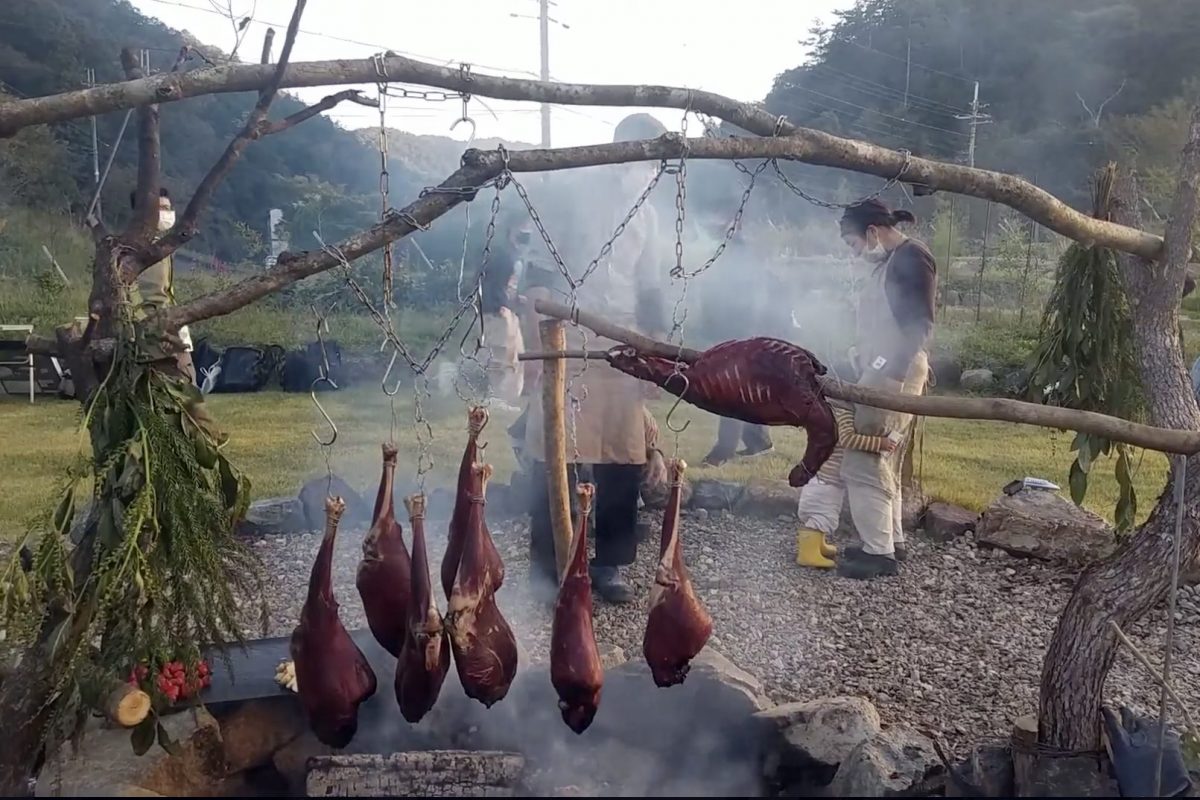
(808, 550)
(828, 550)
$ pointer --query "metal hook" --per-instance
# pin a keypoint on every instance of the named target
(383, 384)
(467, 119)
(675, 405)
(322, 327)
(312, 391)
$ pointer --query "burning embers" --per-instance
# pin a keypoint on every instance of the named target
(403, 614)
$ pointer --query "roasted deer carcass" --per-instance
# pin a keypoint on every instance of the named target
(333, 676)
(762, 381)
(477, 419)
(485, 650)
(425, 658)
(575, 668)
(385, 572)
(679, 626)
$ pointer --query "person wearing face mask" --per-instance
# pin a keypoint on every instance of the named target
(895, 322)
(156, 284)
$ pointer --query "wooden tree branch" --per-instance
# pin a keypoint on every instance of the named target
(819, 148)
(268, 40)
(1113, 428)
(145, 220)
(188, 224)
(266, 128)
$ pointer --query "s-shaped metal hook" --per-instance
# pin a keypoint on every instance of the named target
(675, 405)
(332, 425)
(383, 384)
(465, 72)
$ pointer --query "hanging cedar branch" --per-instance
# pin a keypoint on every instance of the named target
(813, 147)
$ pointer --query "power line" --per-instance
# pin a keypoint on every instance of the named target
(876, 111)
(933, 70)
(934, 105)
(358, 42)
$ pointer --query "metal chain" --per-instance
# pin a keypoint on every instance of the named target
(816, 201)
(427, 95)
(679, 311)
(323, 376)
(475, 299)
(381, 84)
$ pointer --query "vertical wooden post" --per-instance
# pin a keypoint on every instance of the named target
(553, 334)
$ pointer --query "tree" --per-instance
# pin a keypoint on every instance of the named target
(101, 350)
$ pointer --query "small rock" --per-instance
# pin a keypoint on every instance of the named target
(702, 515)
(611, 655)
(896, 762)
(945, 522)
(977, 380)
(989, 768)
(1045, 525)
(312, 500)
(820, 734)
(715, 495)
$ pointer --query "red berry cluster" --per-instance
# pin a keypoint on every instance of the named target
(172, 679)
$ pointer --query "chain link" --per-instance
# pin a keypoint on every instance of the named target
(381, 84)
(427, 95)
(816, 201)
(476, 301)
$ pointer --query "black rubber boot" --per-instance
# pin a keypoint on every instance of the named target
(610, 585)
(855, 551)
(865, 566)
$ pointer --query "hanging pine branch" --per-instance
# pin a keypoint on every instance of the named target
(1085, 358)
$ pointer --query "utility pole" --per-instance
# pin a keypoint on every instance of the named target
(907, 70)
(544, 33)
(90, 79)
(976, 119)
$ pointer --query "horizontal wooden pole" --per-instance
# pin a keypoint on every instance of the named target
(997, 409)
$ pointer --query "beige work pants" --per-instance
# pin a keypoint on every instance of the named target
(873, 479)
(820, 505)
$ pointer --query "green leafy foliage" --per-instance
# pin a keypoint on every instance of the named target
(166, 577)
(1085, 357)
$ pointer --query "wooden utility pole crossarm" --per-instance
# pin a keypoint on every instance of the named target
(810, 146)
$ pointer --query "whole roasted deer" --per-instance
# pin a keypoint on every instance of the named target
(762, 381)
(425, 658)
(385, 573)
(679, 626)
(477, 420)
(333, 677)
(575, 669)
(485, 649)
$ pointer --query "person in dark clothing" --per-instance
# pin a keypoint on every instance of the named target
(895, 322)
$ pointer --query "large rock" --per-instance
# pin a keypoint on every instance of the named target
(1042, 524)
(312, 499)
(715, 495)
(253, 731)
(291, 760)
(977, 380)
(912, 507)
(898, 762)
(655, 497)
(813, 738)
(945, 522)
(106, 766)
(765, 498)
(274, 516)
(988, 771)
(947, 372)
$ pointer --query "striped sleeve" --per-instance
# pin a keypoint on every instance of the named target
(850, 439)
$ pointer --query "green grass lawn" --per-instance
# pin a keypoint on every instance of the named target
(964, 462)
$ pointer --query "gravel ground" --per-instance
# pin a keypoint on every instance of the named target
(954, 644)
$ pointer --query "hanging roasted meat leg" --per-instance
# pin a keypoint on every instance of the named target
(333, 677)
(385, 573)
(575, 668)
(485, 649)
(425, 658)
(762, 381)
(679, 626)
(477, 420)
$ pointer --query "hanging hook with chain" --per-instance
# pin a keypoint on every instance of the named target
(464, 71)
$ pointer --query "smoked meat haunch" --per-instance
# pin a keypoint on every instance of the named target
(385, 573)
(485, 649)
(333, 677)
(477, 420)
(678, 627)
(762, 381)
(425, 658)
(575, 669)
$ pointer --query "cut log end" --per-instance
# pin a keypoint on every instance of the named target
(127, 706)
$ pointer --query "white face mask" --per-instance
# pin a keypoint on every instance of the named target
(875, 255)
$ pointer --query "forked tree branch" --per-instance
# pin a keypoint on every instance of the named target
(145, 218)
(188, 224)
(819, 148)
(266, 128)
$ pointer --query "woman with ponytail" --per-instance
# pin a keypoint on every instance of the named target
(895, 321)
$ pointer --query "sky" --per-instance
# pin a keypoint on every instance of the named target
(735, 49)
